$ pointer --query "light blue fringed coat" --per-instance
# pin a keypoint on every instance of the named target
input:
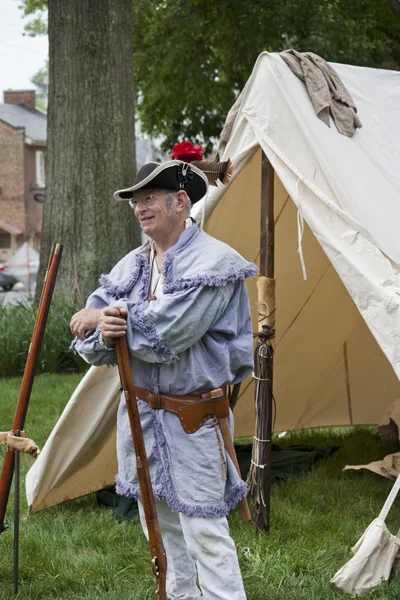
(194, 338)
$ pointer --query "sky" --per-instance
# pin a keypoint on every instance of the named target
(20, 55)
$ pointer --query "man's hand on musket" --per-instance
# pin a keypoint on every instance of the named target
(112, 324)
(87, 318)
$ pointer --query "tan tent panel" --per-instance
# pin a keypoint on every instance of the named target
(328, 370)
(80, 455)
(338, 331)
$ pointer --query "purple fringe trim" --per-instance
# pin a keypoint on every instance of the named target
(232, 276)
(96, 346)
(73, 345)
(146, 325)
(119, 288)
(123, 488)
(168, 271)
(167, 490)
(145, 289)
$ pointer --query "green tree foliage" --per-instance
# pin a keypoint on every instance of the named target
(41, 81)
(38, 26)
(38, 8)
(192, 57)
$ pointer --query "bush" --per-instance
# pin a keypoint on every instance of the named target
(16, 326)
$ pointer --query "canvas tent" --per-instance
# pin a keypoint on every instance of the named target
(337, 206)
(24, 265)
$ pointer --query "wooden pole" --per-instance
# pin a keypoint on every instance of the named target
(267, 269)
(260, 474)
(267, 225)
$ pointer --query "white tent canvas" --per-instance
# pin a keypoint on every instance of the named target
(337, 358)
(24, 265)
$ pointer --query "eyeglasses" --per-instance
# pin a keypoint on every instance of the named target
(145, 200)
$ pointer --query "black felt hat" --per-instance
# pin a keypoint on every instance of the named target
(171, 175)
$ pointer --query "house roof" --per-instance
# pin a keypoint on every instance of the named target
(33, 121)
(10, 228)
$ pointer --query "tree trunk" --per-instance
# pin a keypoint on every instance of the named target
(91, 140)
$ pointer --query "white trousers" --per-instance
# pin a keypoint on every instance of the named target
(197, 547)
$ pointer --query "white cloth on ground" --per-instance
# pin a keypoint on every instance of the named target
(198, 547)
(388, 467)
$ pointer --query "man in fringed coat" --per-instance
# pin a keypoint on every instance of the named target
(181, 301)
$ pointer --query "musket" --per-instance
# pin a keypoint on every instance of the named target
(29, 375)
(158, 556)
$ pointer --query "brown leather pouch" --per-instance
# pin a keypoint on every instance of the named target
(192, 416)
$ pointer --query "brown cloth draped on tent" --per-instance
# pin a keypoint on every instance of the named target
(327, 92)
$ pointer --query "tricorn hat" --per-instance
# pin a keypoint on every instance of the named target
(177, 174)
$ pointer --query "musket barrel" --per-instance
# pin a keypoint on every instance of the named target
(29, 375)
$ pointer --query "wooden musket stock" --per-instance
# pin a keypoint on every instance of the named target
(158, 556)
(29, 374)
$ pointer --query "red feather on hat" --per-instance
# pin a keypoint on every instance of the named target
(187, 152)
(213, 170)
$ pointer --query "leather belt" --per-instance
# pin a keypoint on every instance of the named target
(193, 409)
(171, 402)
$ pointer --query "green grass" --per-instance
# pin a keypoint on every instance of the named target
(79, 551)
(16, 326)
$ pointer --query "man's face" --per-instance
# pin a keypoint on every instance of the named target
(155, 210)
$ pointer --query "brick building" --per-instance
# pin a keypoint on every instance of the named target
(22, 171)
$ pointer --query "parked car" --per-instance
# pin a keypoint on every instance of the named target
(6, 280)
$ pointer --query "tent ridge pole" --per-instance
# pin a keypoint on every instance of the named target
(267, 229)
